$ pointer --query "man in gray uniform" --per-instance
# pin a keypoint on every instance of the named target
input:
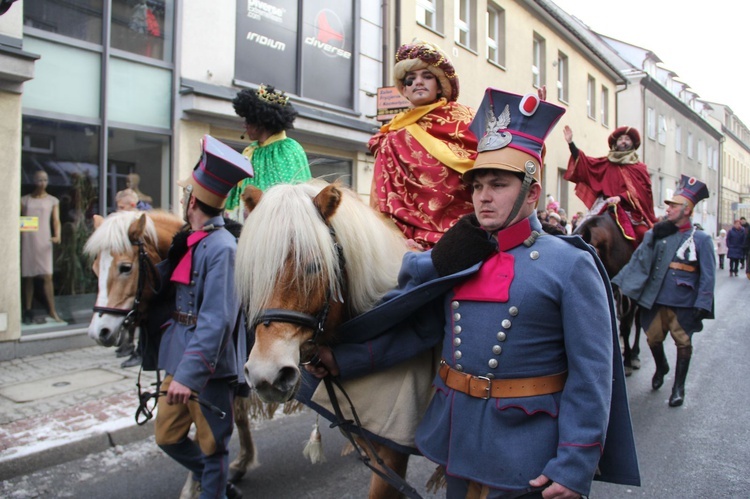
(672, 276)
(197, 351)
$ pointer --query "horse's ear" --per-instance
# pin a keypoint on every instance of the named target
(251, 197)
(327, 201)
(98, 221)
(137, 228)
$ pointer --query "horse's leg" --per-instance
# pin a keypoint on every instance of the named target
(191, 489)
(246, 459)
(635, 355)
(626, 323)
(379, 488)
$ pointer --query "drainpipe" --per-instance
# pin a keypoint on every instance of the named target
(385, 46)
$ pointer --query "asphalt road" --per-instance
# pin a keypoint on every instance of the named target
(699, 450)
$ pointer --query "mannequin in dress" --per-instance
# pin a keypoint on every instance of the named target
(36, 247)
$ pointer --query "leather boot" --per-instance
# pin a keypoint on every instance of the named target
(662, 366)
(681, 370)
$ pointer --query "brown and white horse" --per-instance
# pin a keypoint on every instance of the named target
(118, 246)
(314, 252)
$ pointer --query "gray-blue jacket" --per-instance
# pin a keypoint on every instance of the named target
(193, 354)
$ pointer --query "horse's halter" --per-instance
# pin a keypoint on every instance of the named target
(132, 316)
(315, 322)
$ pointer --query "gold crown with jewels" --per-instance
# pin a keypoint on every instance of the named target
(272, 96)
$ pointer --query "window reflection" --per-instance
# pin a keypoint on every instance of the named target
(143, 27)
(80, 19)
(137, 160)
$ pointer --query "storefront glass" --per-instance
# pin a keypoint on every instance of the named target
(138, 160)
(68, 153)
(79, 19)
(143, 27)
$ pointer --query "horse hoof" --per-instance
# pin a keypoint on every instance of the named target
(628, 370)
(236, 476)
(635, 363)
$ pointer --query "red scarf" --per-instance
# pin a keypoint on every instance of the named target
(492, 282)
(181, 273)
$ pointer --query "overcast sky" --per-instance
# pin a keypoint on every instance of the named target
(706, 47)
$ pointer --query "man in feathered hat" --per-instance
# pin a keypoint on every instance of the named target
(530, 392)
(422, 153)
(618, 178)
(276, 158)
(674, 298)
(197, 352)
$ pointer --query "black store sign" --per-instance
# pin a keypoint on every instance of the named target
(305, 48)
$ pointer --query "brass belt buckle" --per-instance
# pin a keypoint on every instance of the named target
(487, 390)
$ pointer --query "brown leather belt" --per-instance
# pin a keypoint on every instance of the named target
(683, 266)
(186, 319)
(485, 388)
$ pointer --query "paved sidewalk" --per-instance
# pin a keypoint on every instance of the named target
(64, 405)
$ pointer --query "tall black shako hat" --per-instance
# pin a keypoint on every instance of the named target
(511, 130)
(690, 190)
(219, 169)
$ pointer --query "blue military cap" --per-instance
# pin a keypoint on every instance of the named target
(511, 130)
(689, 189)
(219, 169)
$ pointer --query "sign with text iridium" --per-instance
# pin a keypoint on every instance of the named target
(266, 46)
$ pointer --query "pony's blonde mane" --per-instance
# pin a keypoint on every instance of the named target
(285, 228)
(112, 234)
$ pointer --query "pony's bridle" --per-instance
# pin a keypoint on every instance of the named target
(317, 324)
(314, 322)
(132, 316)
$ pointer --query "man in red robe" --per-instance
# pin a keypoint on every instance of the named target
(422, 153)
(618, 178)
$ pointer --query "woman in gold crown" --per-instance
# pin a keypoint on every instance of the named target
(276, 158)
(422, 153)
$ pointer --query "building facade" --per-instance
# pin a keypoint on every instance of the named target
(734, 201)
(121, 87)
(520, 46)
(676, 137)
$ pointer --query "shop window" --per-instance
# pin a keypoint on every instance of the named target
(330, 168)
(143, 27)
(138, 160)
(79, 19)
(69, 154)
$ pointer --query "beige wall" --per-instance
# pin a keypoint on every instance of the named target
(10, 175)
(10, 201)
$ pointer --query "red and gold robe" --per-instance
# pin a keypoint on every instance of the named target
(595, 177)
(419, 159)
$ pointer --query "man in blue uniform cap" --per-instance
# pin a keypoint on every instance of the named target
(677, 296)
(196, 351)
(529, 398)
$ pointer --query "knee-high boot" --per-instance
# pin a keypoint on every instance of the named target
(681, 370)
(662, 366)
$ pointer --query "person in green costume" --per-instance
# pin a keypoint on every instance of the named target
(276, 158)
